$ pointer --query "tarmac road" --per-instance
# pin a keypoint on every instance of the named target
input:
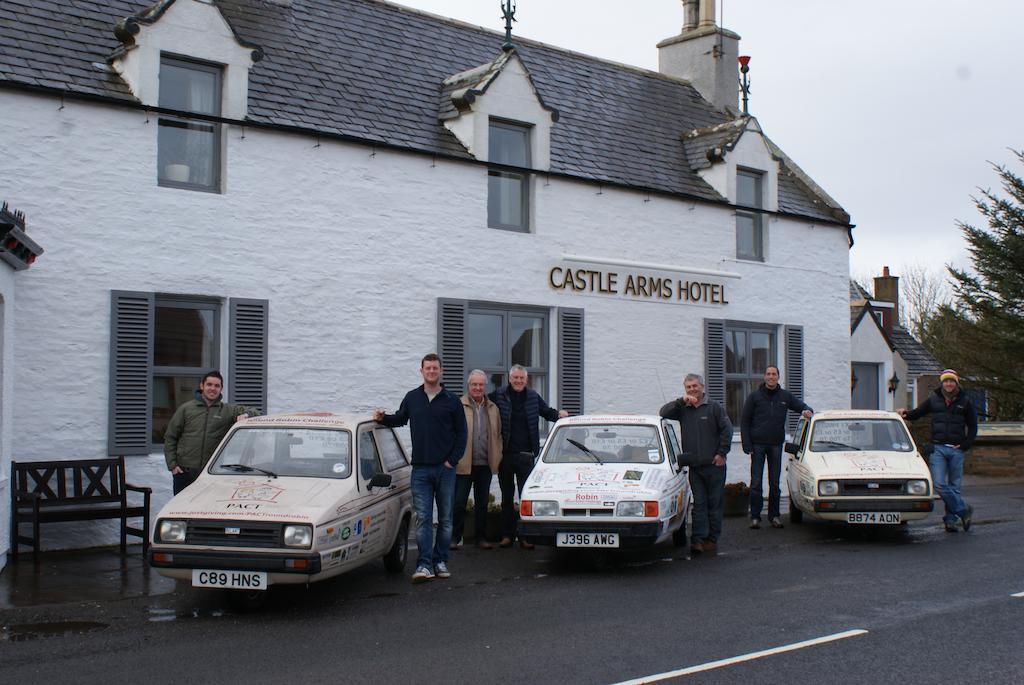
(933, 606)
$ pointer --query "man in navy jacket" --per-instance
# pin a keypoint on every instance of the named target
(763, 430)
(438, 431)
(954, 428)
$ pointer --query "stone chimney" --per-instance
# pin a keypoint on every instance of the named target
(887, 289)
(703, 54)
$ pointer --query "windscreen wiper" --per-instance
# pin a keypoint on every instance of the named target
(586, 451)
(246, 469)
(840, 445)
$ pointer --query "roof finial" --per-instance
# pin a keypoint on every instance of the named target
(508, 13)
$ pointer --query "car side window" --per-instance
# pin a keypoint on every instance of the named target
(673, 444)
(390, 451)
(800, 436)
(369, 460)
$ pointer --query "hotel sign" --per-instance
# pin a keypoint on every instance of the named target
(653, 283)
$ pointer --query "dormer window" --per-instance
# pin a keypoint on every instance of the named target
(189, 150)
(749, 224)
(508, 189)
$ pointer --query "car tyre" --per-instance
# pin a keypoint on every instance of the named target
(246, 601)
(795, 515)
(394, 560)
(679, 536)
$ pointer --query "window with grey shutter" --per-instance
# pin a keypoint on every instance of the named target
(248, 352)
(794, 336)
(570, 360)
(714, 360)
(131, 345)
(451, 343)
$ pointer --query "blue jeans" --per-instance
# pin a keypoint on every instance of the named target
(947, 467)
(707, 482)
(773, 453)
(432, 484)
(479, 479)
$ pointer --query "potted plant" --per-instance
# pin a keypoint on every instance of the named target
(737, 499)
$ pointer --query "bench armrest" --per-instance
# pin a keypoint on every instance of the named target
(138, 488)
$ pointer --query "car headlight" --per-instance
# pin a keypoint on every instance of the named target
(828, 488)
(173, 531)
(298, 536)
(633, 508)
(917, 487)
(544, 508)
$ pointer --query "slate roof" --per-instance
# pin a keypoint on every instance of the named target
(374, 71)
(918, 359)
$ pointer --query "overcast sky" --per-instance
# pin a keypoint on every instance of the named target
(895, 107)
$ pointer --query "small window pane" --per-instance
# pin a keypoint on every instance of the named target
(505, 205)
(189, 88)
(748, 190)
(389, 449)
(495, 381)
(735, 395)
(183, 337)
(735, 352)
(761, 356)
(509, 145)
(186, 152)
(527, 335)
(369, 462)
(170, 392)
(485, 337)
(748, 236)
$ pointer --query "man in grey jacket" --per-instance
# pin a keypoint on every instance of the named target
(707, 437)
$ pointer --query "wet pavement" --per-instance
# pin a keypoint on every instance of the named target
(99, 574)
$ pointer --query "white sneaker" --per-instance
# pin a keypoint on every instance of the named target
(422, 575)
(441, 569)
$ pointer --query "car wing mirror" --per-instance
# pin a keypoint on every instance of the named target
(380, 480)
(792, 448)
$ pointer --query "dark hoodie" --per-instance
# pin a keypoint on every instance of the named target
(764, 416)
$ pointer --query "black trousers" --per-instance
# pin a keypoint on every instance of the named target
(184, 479)
(514, 470)
(479, 479)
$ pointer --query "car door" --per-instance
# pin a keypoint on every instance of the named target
(679, 477)
(375, 525)
(396, 464)
(796, 468)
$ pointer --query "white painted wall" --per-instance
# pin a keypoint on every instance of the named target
(7, 301)
(352, 249)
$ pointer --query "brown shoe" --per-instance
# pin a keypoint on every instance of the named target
(697, 548)
(526, 545)
(505, 542)
(483, 544)
(710, 545)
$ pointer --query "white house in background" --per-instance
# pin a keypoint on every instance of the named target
(887, 364)
(311, 194)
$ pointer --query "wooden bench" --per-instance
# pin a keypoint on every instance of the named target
(74, 490)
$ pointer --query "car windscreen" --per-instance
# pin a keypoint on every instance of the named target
(604, 443)
(841, 435)
(281, 451)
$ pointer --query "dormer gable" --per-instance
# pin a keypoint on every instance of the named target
(187, 29)
(499, 90)
(717, 153)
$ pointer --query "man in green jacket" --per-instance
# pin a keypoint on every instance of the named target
(196, 429)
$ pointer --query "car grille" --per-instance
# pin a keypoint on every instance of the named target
(588, 512)
(872, 488)
(250, 534)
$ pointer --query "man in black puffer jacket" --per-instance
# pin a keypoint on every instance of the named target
(954, 428)
(763, 430)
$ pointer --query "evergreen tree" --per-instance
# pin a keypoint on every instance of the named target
(982, 333)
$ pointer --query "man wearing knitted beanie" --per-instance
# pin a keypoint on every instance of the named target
(954, 428)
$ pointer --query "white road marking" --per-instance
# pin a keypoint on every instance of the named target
(1019, 594)
(711, 665)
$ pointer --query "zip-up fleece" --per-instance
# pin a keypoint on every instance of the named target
(764, 416)
(953, 423)
(706, 429)
(195, 431)
(437, 427)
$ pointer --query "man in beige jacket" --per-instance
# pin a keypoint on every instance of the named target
(480, 460)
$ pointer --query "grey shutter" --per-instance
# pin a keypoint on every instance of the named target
(248, 321)
(794, 368)
(130, 417)
(714, 360)
(451, 343)
(570, 360)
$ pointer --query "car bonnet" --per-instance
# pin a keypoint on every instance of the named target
(582, 484)
(872, 464)
(260, 499)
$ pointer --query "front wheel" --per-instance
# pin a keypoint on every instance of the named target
(679, 536)
(246, 601)
(394, 560)
(795, 515)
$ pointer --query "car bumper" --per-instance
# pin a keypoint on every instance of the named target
(639, 534)
(280, 567)
(836, 508)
